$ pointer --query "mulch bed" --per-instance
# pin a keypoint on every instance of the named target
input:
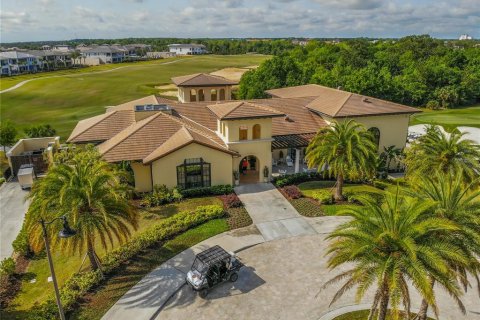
(238, 218)
(307, 207)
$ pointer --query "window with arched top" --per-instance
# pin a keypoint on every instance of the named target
(201, 95)
(375, 135)
(257, 132)
(243, 133)
(213, 95)
(222, 94)
(193, 95)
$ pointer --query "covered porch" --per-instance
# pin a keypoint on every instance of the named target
(288, 154)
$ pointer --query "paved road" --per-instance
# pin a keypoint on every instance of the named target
(273, 215)
(12, 211)
(283, 280)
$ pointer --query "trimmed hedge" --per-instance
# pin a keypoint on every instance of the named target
(296, 178)
(80, 283)
(218, 190)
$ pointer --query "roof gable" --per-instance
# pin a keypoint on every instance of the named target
(201, 79)
(242, 110)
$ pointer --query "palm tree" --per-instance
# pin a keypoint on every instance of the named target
(347, 149)
(90, 191)
(460, 204)
(439, 151)
(391, 245)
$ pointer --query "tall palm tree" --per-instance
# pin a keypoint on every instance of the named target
(347, 150)
(91, 193)
(391, 245)
(460, 204)
(391, 153)
(440, 151)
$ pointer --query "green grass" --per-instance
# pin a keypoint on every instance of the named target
(63, 101)
(362, 315)
(66, 264)
(97, 304)
(308, 188)
(449, 119)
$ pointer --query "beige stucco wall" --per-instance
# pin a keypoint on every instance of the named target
(32, 144)
(165, 169)
(142, 176)
(393, 128)
(184, 93)
(232, 127)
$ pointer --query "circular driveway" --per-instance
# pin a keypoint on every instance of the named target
(283, 279)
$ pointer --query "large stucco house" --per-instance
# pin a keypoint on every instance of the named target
(202, 143)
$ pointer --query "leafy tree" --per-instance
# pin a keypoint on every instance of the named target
(460, 204)
(8, 133)
(440, 151)
(347, 150)
(43, 130)
(389, 246)
(90, 192)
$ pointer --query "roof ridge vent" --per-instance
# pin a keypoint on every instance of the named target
(153, 107)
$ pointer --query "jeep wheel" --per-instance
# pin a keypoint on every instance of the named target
(203, 293)
(234, 277)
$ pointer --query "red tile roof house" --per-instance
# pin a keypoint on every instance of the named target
(197, 144)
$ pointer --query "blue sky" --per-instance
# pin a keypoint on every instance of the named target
(37, 20)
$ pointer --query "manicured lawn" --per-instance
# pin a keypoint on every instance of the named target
(97, 304)
(63, 101)
(450, 118)
(67, 264)
(308, 188)
(362, 315)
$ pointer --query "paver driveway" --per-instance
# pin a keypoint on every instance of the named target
(12, 211)
(281, 280)
(273, 215)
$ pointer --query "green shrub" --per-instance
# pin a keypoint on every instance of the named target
(296, 178)
(161, 195)
(20, 244)
(380, 185)
(79, 284)
(7, 267)
(217, 190)
(323, 196)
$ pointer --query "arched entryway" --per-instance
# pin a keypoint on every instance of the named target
(249, 169)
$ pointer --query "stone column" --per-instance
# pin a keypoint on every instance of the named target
(297, 160)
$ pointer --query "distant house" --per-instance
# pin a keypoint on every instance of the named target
(187, 49)
(15, 62)
(52, 59)
(465, 37)
(105, 54)
(62, 47)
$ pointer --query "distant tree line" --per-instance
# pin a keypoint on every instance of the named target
(215, 46)
(415, 70)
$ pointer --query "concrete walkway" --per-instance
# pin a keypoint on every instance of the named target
(12, 211)
(145, 299)
(273, 215)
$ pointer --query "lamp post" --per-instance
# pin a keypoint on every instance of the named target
(66, 232)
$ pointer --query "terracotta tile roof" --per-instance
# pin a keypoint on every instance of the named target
(144, 139)
(101, 127)
(181, 138)
(130, 105)
(307, 90)
(340, 104)
(201, 79)
(242, 110)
